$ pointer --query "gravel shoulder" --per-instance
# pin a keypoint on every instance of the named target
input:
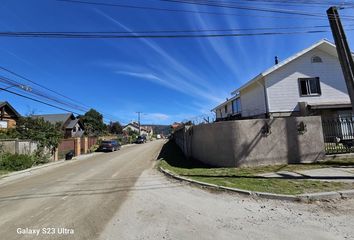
(176, 210)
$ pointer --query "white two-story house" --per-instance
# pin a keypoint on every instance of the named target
(310, 82)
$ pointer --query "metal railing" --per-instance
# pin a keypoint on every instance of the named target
(338, 135)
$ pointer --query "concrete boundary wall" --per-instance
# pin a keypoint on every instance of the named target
(18, 146)
(254, 142)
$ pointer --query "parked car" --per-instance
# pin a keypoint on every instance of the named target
(140, 139)
(109, 145)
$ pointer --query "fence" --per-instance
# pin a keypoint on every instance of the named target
(65, 146)
(254, 142)
(77, 145)
(18, 146)
(338, 135)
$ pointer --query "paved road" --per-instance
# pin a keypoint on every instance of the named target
(121, 196)
(81, 195)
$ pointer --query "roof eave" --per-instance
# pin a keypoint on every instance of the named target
(224, 103)
(283, 63)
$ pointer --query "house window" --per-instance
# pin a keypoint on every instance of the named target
(236, 105)
(309, 86)
(3, 124)
(316, 59)
(225, 108)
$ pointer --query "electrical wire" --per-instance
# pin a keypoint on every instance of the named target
(176, 10)
(39, 85)
(172, 31)
(39, 101)
(38, 93)
(252, 8)
(135, 36)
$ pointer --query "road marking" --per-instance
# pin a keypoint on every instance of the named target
(65, 197)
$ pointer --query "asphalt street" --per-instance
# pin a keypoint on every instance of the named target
(121, 195)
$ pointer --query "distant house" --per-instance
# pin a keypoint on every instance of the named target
(8, 116)
(144, 130)
(176, 126)
(133, 126)
(310, 82)
(70, 124)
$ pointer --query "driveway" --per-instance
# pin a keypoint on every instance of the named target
(121, 196)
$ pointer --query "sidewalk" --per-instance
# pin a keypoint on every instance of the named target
(335, 174)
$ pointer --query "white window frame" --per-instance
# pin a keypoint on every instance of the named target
(238, 106)
(4, 124)
(308, 87)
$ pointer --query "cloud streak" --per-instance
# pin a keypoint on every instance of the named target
(172, 74)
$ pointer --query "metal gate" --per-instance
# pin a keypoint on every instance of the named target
(338, 135)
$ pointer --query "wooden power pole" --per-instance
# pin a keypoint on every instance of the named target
(344, 54)
(139, 122)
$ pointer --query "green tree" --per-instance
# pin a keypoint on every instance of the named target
(115, 128)
(36, 129)
(93, 122)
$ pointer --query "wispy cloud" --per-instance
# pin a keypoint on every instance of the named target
(173, 74)
(156, 117)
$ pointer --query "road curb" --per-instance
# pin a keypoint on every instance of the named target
(310, 197)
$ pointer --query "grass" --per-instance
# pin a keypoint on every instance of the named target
(3, 172)
(173, 160)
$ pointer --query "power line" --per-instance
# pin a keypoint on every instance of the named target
(167, 31)
(288, 3)
(72, 104)
(39, 101)
(37, 84)
(41, 94)
(133, 35)
(172, 10)
(252, 8)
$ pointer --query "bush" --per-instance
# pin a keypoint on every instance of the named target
(16, 162)
(41, 157)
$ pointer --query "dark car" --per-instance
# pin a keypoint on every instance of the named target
(140, 139)
(109, 145)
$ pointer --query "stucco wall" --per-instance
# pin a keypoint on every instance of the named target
(242, 143)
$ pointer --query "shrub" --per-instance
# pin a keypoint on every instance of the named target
(41, 157)
(16, 162)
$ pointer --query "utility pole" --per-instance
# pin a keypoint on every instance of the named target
(344, 54)
(139, 121)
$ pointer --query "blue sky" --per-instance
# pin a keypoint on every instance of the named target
(166, 79)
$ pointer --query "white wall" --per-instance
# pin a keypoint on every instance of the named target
(224, 114)
(253, 100)
(283, 89)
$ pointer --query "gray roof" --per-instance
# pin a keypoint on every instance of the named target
(72, 123)
(55, 118)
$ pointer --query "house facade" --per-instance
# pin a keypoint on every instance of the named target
(144, 130)
(310, 82)
(8, 116)
(71, 125)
